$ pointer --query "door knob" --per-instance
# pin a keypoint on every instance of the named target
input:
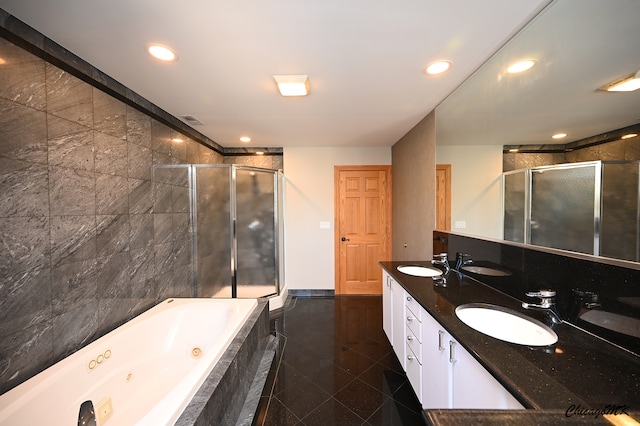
(345, 239)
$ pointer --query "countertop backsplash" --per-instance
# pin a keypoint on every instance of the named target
(589, 291)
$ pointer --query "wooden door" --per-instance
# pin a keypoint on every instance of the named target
(363, 227)
(443, 197)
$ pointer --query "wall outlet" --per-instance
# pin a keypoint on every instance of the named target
(325, 225)
(460, 224)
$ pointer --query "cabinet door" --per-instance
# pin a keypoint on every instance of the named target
(436, 369)
(398, 342)
(387, 306)
(475, 387)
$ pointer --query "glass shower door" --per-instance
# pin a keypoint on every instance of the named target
(565, 207)
(212, 206)
(256, 226)
(516, 209)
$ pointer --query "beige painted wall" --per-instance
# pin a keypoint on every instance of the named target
(308, 200)
(414, 192)
(476, 187)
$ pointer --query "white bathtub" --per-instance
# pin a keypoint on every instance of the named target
(144, 372)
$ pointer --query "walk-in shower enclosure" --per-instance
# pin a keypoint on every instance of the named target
(235, 220)
(589, 207)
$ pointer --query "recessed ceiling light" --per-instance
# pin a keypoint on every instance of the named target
(438, 67)
(292, 85)
(559, 136)
(629, 136)
(245, 139)
(521, 66)
(162, 53)
(625, 84)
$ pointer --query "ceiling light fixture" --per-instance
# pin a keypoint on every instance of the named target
(629, 136)
(438, 67)
(559, 136)
(162, 53)
(259, 152)
(245, 139)
(521, 66)
(625, 84)
(292, 85)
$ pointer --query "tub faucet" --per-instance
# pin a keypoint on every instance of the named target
(441, 259)
(547, 304)
(87, 415)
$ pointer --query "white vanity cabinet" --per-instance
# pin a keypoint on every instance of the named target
(387, 306)
(442, 373)
(452, 378)
(393, 313)
(413, 349)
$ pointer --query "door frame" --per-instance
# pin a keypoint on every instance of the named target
(336, 215)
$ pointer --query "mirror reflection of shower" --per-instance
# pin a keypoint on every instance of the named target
(235, 219)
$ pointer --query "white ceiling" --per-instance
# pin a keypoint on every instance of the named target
(579, 46)
(365, 59)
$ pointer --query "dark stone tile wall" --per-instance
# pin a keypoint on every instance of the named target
(617, 150)
(617, 283)
(94, 213)
(265, 161)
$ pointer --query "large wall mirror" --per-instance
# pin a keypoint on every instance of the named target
(578, 47)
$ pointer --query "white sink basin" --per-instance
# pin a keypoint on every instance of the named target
(615, 322)
(483, 270)
(505, 324)
(419, 271)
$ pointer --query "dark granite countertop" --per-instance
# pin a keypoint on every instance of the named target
(579, 370)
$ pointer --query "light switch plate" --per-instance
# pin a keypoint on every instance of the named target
(460, 224)
(325, 225)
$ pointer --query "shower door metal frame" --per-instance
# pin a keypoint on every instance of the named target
(597, 201)
(276, 236)
(233, 239)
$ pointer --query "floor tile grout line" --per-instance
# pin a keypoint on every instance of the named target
(394, 392)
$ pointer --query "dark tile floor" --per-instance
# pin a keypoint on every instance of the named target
(335, 366)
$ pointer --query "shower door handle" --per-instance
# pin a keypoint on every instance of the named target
(345, 239)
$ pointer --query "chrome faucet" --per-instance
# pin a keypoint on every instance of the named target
(462, 259)
(441, 259)
(547, 304)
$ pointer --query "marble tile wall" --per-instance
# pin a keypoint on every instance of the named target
(94, 223)
(265, 161)
(627, 150)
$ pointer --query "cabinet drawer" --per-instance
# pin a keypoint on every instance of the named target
(414, 344)
(414, 373)
(414, 325)
(413, 306)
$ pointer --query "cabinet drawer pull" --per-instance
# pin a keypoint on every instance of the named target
(409, 338)
(409, 318)
(452, 356)
(411, 357)
(409, 299)
(440, 336)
